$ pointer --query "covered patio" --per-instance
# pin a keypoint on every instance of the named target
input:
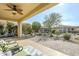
(28, 10)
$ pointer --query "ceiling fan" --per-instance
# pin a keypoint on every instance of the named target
(14, 8)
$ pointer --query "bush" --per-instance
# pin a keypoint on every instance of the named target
(57, 32)
(3, 47)
(36, 26)
(1, 29)
(53, 31)
(67, 36)
(26, 28)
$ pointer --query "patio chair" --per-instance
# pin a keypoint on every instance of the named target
(12, 46)
(16, 49)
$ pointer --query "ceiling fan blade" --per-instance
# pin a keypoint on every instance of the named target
(10, 5)
(8, 9)
(19, 11)
(14, 8)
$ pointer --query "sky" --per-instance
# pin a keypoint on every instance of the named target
(68, 11)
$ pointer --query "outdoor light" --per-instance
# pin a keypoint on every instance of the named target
(14, 12)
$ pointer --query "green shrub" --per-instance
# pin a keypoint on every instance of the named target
(3, 47)
(67, 36)
(26, 28)
(36, 26)
(57, 32)
(1, 29)
(53, 31)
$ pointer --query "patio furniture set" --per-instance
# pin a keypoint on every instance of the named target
(12, 48)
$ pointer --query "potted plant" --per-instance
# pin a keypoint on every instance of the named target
(3, 47)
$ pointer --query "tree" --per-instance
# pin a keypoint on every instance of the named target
(9, 27)
(14, 30)
(52, 20)
(36, 26)
(26, 28)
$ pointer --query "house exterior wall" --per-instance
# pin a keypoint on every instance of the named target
(43, 30)
(70, 29)
(62, 29)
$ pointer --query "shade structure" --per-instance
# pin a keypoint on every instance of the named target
(29, 10)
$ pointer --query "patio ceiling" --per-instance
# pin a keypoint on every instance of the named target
(29, 10)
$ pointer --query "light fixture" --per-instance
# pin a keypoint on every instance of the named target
(14, 12)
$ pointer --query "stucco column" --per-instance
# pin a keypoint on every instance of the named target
(19, 29)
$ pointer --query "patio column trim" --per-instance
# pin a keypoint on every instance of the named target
(19, 29)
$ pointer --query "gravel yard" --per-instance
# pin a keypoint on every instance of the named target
(59, 45)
